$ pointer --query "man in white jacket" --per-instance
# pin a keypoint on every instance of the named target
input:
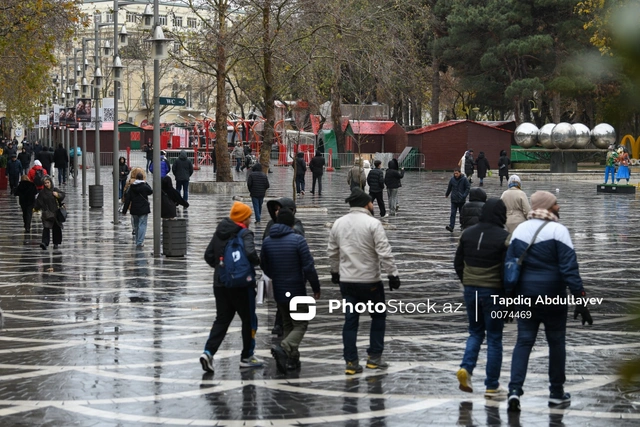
(358, 245)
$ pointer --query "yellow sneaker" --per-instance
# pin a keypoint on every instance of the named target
(464, 377)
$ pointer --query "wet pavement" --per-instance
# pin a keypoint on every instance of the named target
(99, 333)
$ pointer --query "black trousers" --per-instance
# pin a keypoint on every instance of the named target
(230, 301)
(27, 215)
(316, 178)
(378, 197)
(57, 235)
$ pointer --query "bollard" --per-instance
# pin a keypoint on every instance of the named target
(174, 237)
(330, 167)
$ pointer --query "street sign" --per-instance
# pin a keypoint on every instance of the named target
(178, 102)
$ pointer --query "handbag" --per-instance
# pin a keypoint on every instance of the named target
(61, 213)
(512, 265)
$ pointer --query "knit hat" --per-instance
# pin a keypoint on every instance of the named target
(542, 200)
(37, 163)
(358, 198)
(514, 178)
(286, 217)
(239, 212)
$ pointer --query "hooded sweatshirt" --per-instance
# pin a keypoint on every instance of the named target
(182, 168)
(285, 203)
(393, 176)
(472, 210)
(317, 164)
(482, 248)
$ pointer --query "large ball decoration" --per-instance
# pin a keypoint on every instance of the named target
(563, 135)
(544, 135)
(603, 135)
(526, 135)
(583, 135)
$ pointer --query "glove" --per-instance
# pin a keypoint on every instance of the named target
(335, 278)
(394, 282)
(584, 313)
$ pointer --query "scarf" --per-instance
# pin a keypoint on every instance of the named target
(514, 184)
(543, 214)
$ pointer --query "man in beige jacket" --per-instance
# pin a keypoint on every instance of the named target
(358, 245)
(516, 202)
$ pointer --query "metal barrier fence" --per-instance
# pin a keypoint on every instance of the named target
(340, 160)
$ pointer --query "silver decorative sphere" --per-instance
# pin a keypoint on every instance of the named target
(583, 135)
(544, 135)
(563, 135)
(526, 135)
(603, 135)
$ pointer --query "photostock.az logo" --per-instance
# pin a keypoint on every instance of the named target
(296, 301)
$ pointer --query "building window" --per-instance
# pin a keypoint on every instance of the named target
(132, 17)
(192, 22)
(97, 18)
(177, 21)
(109, 16)
(162, 19)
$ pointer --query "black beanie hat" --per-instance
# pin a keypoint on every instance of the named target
(358, 198)
(286, 217)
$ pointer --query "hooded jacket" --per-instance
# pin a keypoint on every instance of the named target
(170, 199)
(164, 167)
(317, 164)
(182, 168)
(46, 201)
(482, 248)
(61, 157)
(286, 259)
(482, 165)
(518, 207)
(503, 164)
(136, 198)
(25, 159)
(358, 246)
(123, 169)
(26, 192)
(286, 203)
(257, 181)
(32, 173)
(471, 211)
(301, 166)
(226, 230)
(393, 176)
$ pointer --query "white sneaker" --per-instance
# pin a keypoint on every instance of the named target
(386, 216)
(495, 393)
(251, 362)
(206, 360)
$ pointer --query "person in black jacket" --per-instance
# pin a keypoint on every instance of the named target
(136, 200)
(182, 169)
(122, 176)
(61, 159)
(170, 199)
(317, 170)
(13, 172)
(301, 169)
(375, 179)
(503, 166)
(459, 190)
(482, 166)
(285, 257)
(26, 193)
(46, 158)
(25, 161)
(257, 183)
(470, 214)
(48, 202)
(478, 262)
(230, 301)
(392, 180)
(469, 164)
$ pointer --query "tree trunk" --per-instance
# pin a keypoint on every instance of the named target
(435, 90)
(336, 111)
(270, 114)
(222, 151)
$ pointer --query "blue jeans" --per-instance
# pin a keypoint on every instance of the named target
(392, 194)
(148, 163)
(554, 319)
(140, 225)
(62, 175)
(362, 292)
(610, 170)
(238, 163)
(184, 185)
(257, 207)
(121, 188)
(455, 207)
(299, 183)
(485, 324)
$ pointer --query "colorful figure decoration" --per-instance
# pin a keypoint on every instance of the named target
(610, 163)
(623, 165)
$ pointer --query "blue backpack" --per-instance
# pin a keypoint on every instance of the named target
(235, 270)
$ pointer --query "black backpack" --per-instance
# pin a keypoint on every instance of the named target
(38, 179)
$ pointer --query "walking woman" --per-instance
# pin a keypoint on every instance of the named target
(26, 193)
(48, 202)
(503, 166)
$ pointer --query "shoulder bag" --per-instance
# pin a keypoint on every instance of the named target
(512, 265)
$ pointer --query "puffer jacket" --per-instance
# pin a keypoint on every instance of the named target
(257, 181)
(482, 248)
(393, 176)
(286, 259)
(358, 245)
(471, 211)
(458, 189)
(551, 264)
(317, 164)
(518, 207)
(376, 180)
(182, 168)
(226, 230)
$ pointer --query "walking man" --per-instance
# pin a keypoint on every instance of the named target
(182, 170)
(258, 184)
(459, 190)
(357, 247)
(478, 263)
(232, 300)
(375, 179)
(317, 170)
(550, 266)
(393, 181)
(286, 259)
